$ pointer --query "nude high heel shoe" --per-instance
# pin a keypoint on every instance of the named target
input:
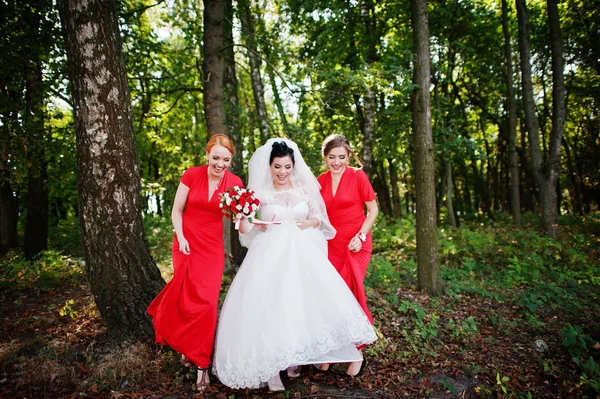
(275, 384)
(202, 381)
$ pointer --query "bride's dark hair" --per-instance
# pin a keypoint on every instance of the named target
(280, 150)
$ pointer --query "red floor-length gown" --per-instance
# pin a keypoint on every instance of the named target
(185, 311)
(346, 212)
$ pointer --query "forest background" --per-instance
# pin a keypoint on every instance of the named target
(513, 294)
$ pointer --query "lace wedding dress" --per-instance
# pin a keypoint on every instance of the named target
(287, 304)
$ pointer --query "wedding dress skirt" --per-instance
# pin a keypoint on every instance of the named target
(286, 306)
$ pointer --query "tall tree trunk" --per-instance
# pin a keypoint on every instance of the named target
(546, 173)
(214, 90)
(276, 96)
(395, 183)
(213, 67)
(552, 165)
(233, 117)
(258, 90)
(531, 122)
(427, 246)
(370, 105)
(449, 184)
(515, 198)
(8, 216)
(381, 188)
(36, 222)
(368, 130)
(122, 275)
(578, 204)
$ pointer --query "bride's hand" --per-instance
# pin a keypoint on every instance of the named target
(184, 246)
(303, 224)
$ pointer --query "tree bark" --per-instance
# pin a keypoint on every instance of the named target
(255, 75)
(35, 239)
(381, 188)
(578, 204)
(368, 130)
(8, 217)
(449, 184)
(276, 96)
(214, 67)
(122, 275)
(545, 173)
(552, 166)
(370, 105)
(427, 245)
(515, 198)
(233, 118)
(395, 183)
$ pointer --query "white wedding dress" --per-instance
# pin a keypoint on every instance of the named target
(287, 304)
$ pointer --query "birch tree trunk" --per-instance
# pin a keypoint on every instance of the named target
(428, 267)
(122, 275)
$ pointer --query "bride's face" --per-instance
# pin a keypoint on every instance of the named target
(281, 170)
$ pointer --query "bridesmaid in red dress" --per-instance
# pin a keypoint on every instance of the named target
(185, 311)
(347, 192)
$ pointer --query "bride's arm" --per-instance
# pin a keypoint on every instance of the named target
(245, 226)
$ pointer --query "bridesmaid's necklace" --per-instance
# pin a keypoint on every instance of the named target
(212, 186)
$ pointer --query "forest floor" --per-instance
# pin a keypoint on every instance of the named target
(518, 319)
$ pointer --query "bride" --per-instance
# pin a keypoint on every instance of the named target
(287, 304)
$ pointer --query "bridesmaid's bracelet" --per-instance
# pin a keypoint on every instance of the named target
(361, 236)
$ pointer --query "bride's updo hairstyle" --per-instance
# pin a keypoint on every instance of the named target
(280, 150)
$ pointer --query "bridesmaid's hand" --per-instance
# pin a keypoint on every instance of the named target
(355, 244)
(184, 246)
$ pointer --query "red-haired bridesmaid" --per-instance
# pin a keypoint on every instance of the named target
(185, 311)
(347, 192)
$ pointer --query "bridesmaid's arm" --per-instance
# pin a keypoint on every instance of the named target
(355, 243)
(372, 212)
(177, 216)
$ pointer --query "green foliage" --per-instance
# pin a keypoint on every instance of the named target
(47, 270)
(65, 237)
(591, 373)
(159, 231)
(68, 310)
(422, 332)
(500, 382)
(381, 273)
(575, 340)
(466, 328)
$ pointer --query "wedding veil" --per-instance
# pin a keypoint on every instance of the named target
(261, 181)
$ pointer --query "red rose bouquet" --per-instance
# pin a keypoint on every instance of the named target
(237, 202)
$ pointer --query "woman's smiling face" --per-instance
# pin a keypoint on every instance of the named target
(282, 169)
